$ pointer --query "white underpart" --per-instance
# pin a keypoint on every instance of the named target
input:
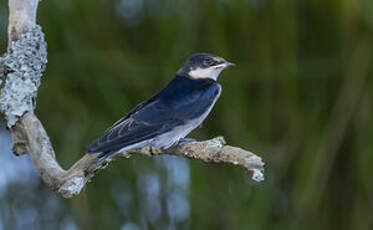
(170, 138)
(212, 72)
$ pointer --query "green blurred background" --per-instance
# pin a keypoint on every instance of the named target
(300, 96)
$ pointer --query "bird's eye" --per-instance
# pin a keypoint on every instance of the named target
(210, 62)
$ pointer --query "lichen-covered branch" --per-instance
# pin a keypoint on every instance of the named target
(21, 69)
(23, 66)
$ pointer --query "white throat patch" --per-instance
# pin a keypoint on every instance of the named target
(199, 73)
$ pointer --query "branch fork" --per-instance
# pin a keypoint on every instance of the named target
(22, 69)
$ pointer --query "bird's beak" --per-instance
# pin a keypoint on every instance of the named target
(227, 64)
(224, 65)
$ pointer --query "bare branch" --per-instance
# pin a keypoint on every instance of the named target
(22, 69)
(71, 182)
(22, 16)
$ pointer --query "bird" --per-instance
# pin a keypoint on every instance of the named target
(167, 117)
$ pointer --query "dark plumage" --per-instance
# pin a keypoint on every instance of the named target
(168, 115)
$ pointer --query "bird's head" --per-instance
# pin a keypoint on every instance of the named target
(203, 65)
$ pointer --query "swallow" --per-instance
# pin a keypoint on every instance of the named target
(169, 115)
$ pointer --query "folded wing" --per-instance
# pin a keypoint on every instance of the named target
(131, 131)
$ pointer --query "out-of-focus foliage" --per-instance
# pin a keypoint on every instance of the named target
(301, 95)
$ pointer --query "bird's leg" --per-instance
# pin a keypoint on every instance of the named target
(183, 141)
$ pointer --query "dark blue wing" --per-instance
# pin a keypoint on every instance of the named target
(127, 133)
(177, 103)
